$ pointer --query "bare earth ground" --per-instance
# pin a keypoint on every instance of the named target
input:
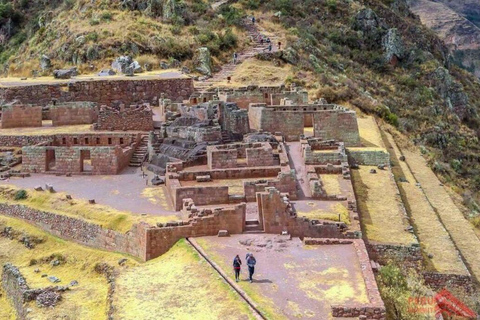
(87, 300)
(292, 281)
(127, 191)
(459, 228)
(296, 160)
(379, 202)
(434, 238)
(177, 285)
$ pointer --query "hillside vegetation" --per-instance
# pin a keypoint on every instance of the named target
(373, 55)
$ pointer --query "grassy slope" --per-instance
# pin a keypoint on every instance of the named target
(433, 237)
(85, 301)
(380, 207)
(178, 285)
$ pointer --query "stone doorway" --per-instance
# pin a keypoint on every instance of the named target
(85, 161)
(253, 219)
(50, 160)
(308, 125)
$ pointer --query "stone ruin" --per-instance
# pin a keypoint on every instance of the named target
(133, 117)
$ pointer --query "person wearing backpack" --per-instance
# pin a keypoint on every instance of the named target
(251, 262)
(237, 263)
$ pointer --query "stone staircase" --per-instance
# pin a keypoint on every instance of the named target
(253, 226)
(140, 153)
(254, 33)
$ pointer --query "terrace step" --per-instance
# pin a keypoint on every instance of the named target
(252, 222)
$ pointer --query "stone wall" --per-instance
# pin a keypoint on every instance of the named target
(15, 286)
(438, 281)
(196, 133)
(21, 116)
(241, 155)
(276, 214)
(21, 140)
(70, 159)
(102, 91)
(71, 113)
(206, 222)
(337, 124)
(80, 231)
(368, 157)
(285, 182)
(327, 155)
(330, 122)
(137, 118)
(410, 256)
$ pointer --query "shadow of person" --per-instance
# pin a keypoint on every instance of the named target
(259, 281)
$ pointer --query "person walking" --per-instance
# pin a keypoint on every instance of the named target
(253, 19)
(237, 265)
(235, 57)
(251, 262)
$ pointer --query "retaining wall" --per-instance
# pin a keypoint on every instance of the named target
(102, 91)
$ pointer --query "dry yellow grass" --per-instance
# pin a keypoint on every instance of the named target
(369, 132)
(85, 301)
(47, 130)
(461, 231)
(381, 207)
(433, 237)
(102, 215)
(6, 310)
(256, 72)
(177, 285)
(331, 183)
(332, 213)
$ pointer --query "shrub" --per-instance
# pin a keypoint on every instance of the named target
(106, 16)
(20, 194)
(232, 15)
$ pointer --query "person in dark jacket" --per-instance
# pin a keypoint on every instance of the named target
(237, 265)
(251, 262)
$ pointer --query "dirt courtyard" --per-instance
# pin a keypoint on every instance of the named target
(292, 281)
(127, 191)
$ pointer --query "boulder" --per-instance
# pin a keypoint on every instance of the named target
(53, 279)
(129, 71)
(164, 65)
(137, 68)
(65, 73)
(203, 61)
(156, 181)
(290, 55)
(185, 70)
(147, 67)
(223, 233)
(121, 64)
(45, 62)
(106, 72)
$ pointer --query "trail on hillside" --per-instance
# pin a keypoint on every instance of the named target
(255, 33)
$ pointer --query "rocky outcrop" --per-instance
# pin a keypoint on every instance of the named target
(169, 9)
(367, 22)
(45, 63)
(451, 91)
(65, 73)
(203, 61)
(393, 46)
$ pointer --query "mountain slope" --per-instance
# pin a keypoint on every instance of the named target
(460, 34)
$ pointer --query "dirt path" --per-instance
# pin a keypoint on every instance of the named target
(295, 158)
(255, 47)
